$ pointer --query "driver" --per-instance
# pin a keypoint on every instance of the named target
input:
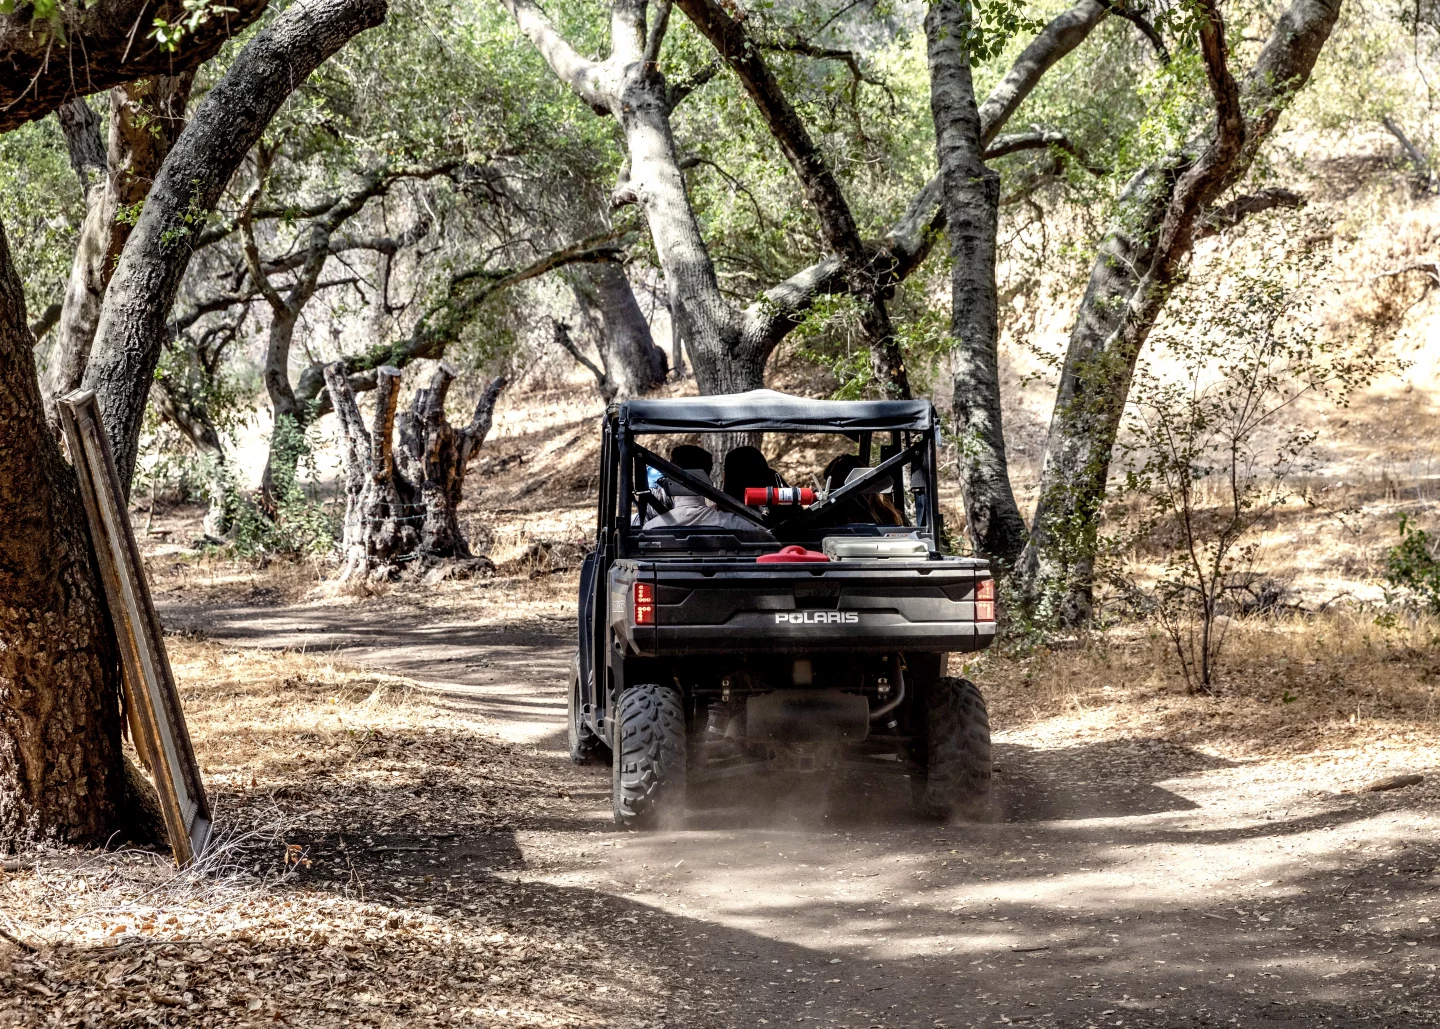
(691, 508)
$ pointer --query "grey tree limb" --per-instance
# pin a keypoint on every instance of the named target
(1227, 216)
(1423, 168)
(971, 200)
(1146, 27)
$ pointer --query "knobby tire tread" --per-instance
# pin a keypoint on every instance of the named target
(586, 748)
(649, 756)
(958, 764)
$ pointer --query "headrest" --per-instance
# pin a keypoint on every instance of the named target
(692, 458)
(876, 486)
(676, 488)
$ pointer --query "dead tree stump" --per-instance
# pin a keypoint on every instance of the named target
(401, 502)
(382, 510)
(435, 456)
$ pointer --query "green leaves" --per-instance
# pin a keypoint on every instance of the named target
(1411, 565)
(195, 13)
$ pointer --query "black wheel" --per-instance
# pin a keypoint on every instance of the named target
(956, 780)
(648, 757)
(585, 746)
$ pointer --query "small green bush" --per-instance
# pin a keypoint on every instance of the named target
(1411, 565)
(301, 527)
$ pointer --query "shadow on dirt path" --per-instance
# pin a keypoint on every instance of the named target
(1121, 882)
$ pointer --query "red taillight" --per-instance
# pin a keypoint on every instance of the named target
(645, 604)
(985, 600)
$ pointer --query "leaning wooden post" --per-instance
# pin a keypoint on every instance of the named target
(152, 702)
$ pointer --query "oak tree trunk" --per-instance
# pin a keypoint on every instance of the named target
(971, 200)
(382, 510)
(633, 364)
(1129, 283)
(145, 119)
(289, 414)
(61, 774)
(435, 456)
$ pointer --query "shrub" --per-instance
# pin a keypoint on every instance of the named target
(1411, 565)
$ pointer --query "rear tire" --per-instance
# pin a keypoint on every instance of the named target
(956, 781)
(648, 786)
(585, 745)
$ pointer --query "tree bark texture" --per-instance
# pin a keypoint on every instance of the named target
(435, 455)
(225, 126)
(61, 774)
(103, 44)
(382, 513)
(633, 364)
(971, 201)
(1130, 281)
(145, 119)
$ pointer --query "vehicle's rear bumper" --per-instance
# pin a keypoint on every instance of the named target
(764, 631)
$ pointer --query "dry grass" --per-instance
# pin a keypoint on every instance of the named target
(325, 780)
(1336, 698)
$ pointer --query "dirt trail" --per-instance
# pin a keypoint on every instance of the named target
(1120, 883)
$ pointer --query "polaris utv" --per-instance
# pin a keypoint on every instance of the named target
(804, 626)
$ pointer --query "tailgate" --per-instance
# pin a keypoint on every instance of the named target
(714, 607)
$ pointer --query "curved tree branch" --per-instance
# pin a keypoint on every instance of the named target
(1218, 219)
(99, 45)
(1041, 139)
(1146, 27)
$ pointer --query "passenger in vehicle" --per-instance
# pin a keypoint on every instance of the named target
(746, 467)
(692, 458)
(689, 507)
(876, 501)
(873, 506)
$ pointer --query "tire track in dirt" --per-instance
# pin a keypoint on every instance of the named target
(1119, 883)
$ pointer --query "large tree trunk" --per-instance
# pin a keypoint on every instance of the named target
(382, 512)
(61, 776)
(145, 119)
(633, 363)
(972, 212)
(435, 455)
(724, 360)
(226, 125)
(1129, 283)
(1094, 382)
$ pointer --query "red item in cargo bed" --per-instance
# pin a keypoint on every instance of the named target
(791, 554)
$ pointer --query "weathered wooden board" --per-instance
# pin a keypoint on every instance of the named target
(152, 703)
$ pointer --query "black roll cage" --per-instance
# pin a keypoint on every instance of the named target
(620, 452)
